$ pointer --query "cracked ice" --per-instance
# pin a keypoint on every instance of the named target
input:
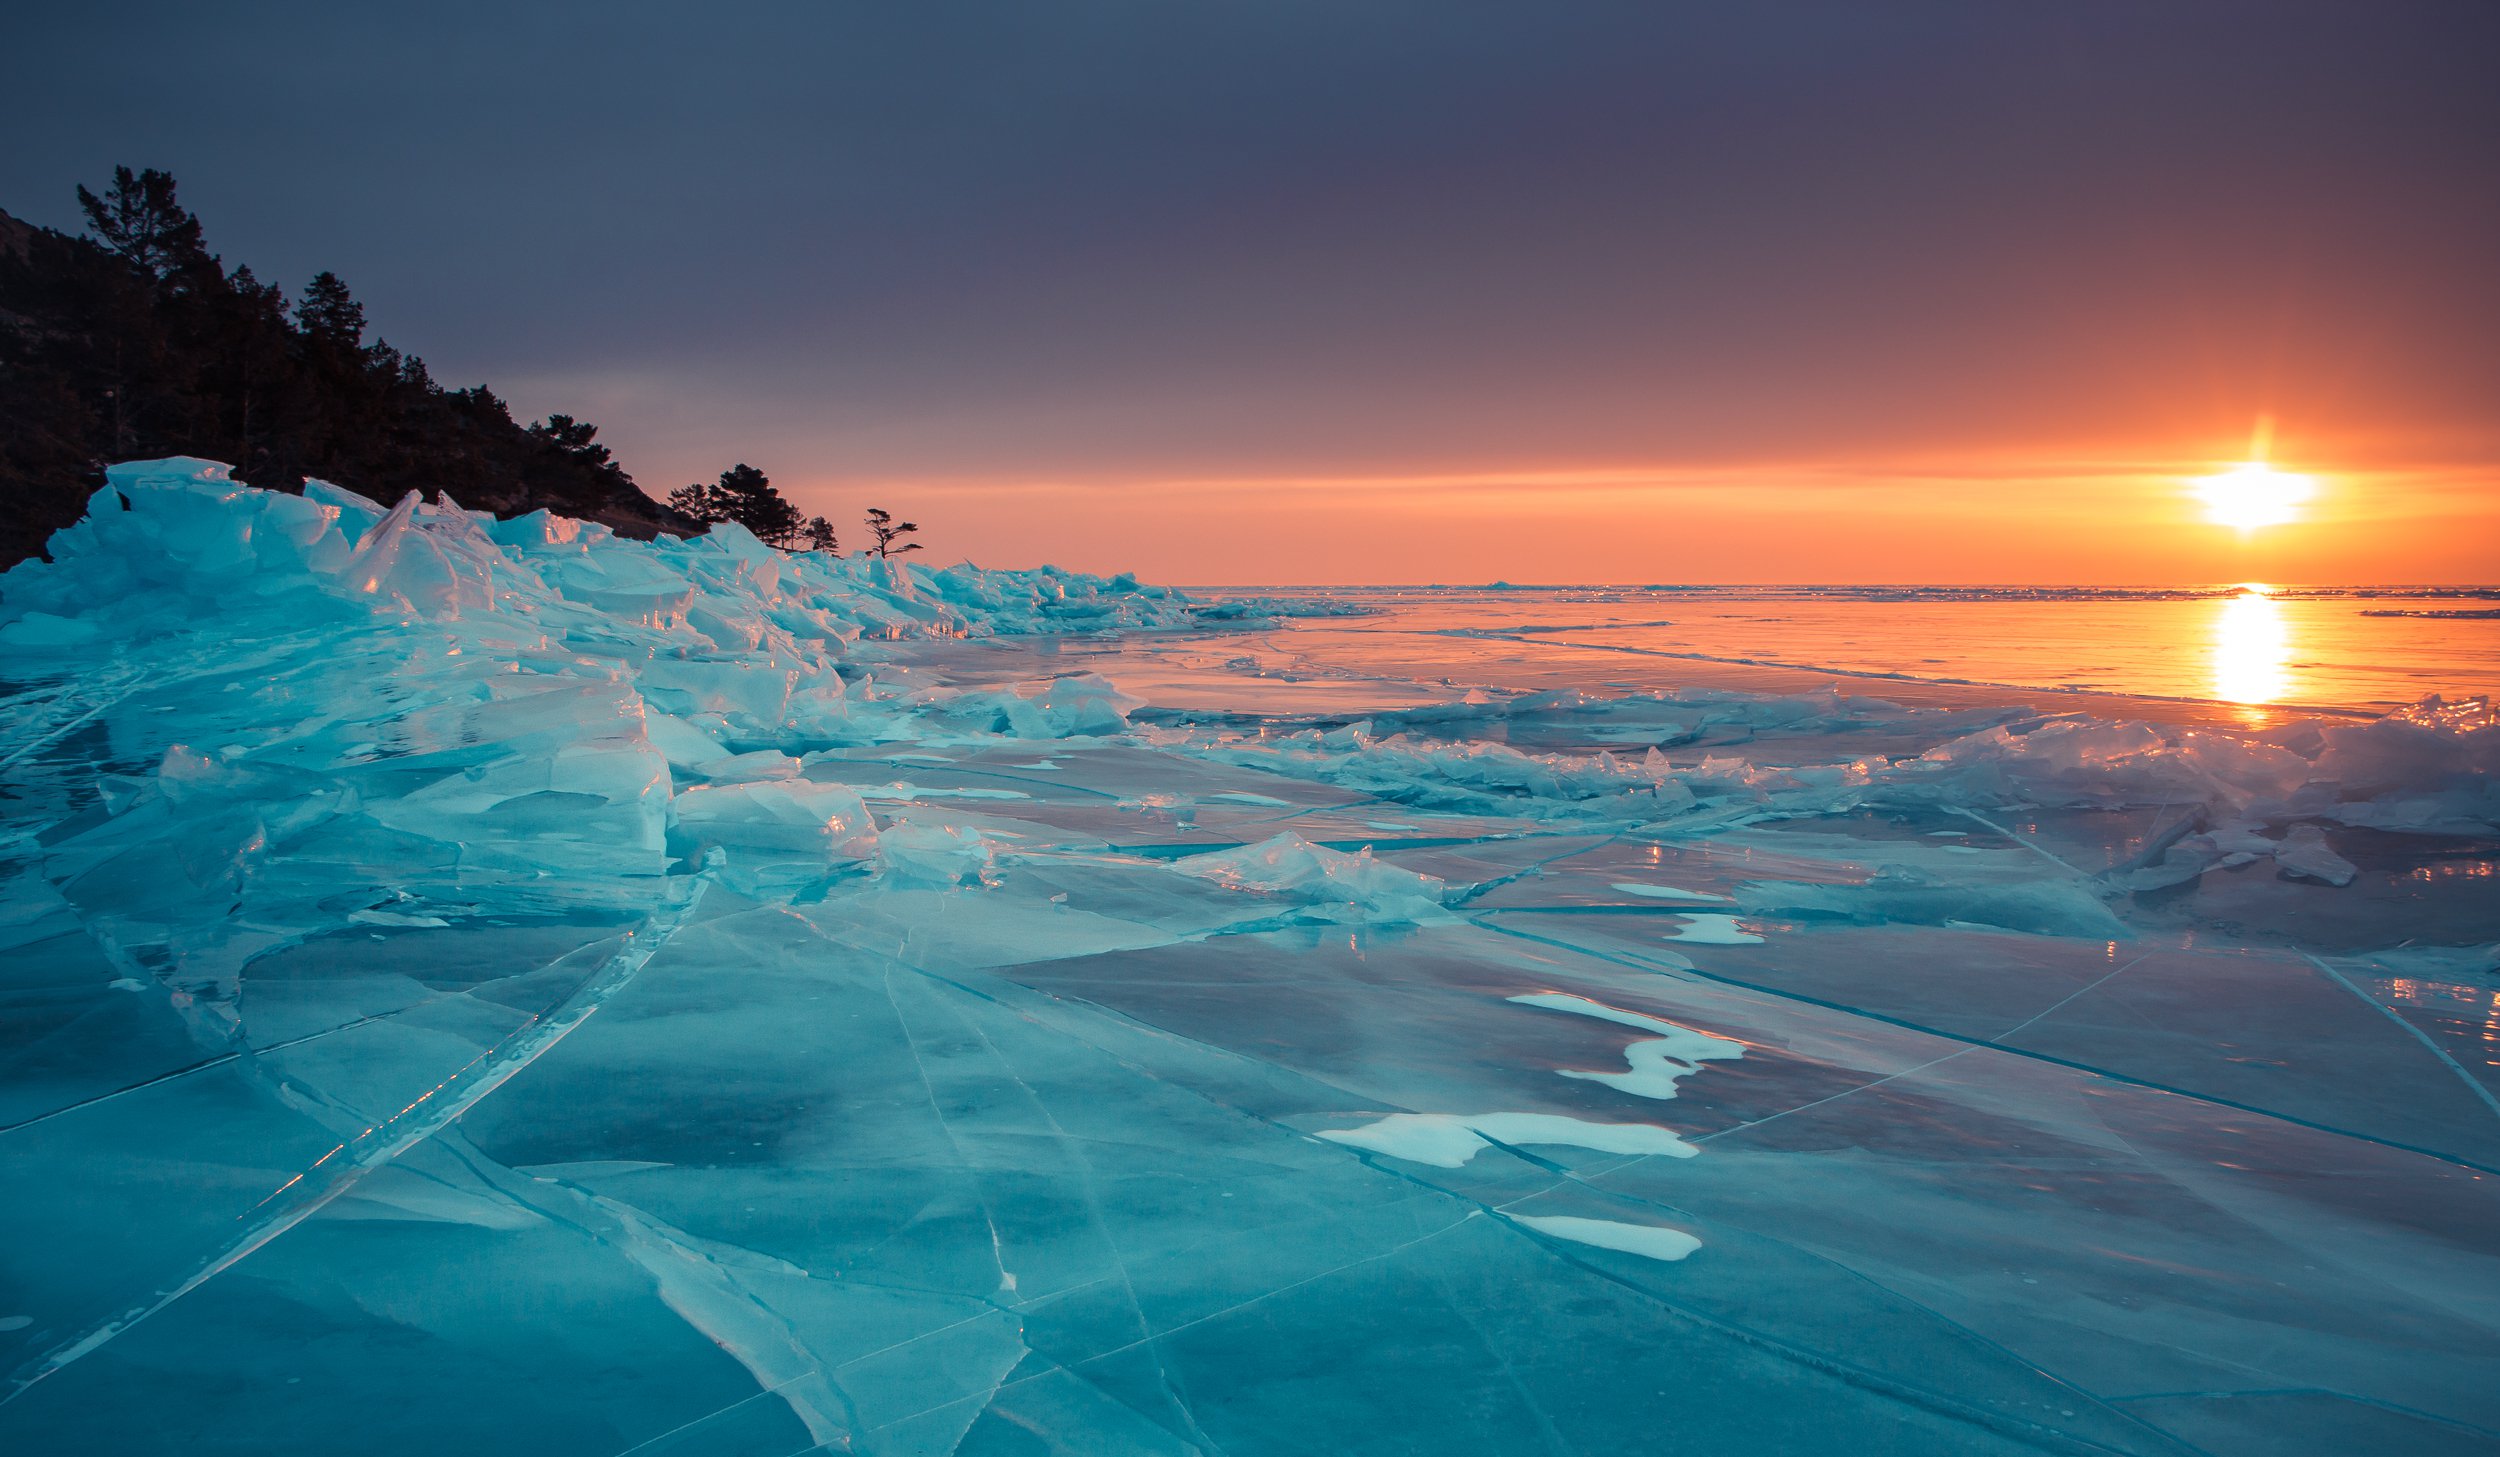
(489, 985)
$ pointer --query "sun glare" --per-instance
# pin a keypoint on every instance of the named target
(2252, 648)
(2254, 494)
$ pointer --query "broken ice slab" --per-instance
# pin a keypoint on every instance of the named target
(1036, 908)
(1051, 1223)
(2251, 1030)
(2435, 890)
(1389, 1019)
(2450, 1000)
(1078, 770)
(1332, 885)
(77, 1023)
(1184, 679)
(1629, 872)
(1892, 1105)
(2272, 1032)
(165, 1178)
(1171, 807)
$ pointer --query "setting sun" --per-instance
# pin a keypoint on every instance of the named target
(2254, 494)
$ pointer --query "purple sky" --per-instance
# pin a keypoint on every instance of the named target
(1195, 288)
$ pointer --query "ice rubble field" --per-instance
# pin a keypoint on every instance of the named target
(491, 987)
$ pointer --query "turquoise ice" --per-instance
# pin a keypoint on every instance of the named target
(488, 986)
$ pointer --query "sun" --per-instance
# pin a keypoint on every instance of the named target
(2254, 494)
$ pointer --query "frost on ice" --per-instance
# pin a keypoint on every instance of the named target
(490, 985)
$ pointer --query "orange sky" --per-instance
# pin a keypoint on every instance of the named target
(2058, 522)
(1967, 464)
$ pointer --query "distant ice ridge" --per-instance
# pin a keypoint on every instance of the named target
(727, 644)
(2433, 768)
(171, 535)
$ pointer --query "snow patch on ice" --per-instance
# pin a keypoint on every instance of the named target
(1451, 1140)
(1657, 1064)
(1710, 930)
(1656, 1242)
(906, 790)
(1664, 892)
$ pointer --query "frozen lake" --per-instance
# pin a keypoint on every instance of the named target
(2251, 646)
(470, 987)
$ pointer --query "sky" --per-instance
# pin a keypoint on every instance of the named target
(1284, 292)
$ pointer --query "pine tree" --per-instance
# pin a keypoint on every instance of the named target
(329, 313)
(744, 495)
(573, 437)
(755, 505)
(888, 531)
(140, 222)
(699, 501)
(818, 535)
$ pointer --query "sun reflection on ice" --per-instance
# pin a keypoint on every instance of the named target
(2252, 648)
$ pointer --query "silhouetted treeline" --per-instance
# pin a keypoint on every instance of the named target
(746, 495)
(138, 342)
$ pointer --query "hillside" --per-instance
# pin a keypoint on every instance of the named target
(136, 342)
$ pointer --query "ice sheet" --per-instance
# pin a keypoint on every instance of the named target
(477, 985)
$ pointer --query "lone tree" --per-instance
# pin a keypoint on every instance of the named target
(818, 535)
(744, 495)
(888, 531)
(140, 222)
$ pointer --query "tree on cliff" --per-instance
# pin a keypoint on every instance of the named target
(136, 341)
(330, 314)
(139, 221)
